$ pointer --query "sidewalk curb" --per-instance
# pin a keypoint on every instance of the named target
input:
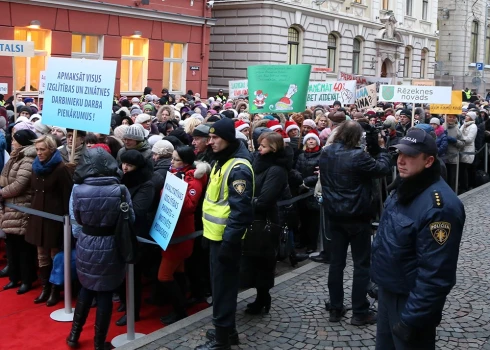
(150, 338)
(473, 191)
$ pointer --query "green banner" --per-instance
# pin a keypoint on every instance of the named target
(278, 88)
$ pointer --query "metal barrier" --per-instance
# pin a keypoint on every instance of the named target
(485, 147)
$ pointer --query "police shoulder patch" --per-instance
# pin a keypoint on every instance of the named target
(239, 186)
(440, 231)
(437, 199)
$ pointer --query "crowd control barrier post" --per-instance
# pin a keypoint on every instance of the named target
(128, 337)
(66, 314)
(486, 157)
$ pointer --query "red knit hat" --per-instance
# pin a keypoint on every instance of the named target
(103, 146)
(285, 136)
(313, 134)
(291, 125)
(240, 125)
(273, 125)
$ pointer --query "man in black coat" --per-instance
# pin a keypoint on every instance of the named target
(346, 174)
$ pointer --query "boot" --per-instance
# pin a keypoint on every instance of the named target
(5, 271)
(234, 340)
(221, 342)
(102, 322)
(295, 258)
(263, 301)
(79, 317)
(44, 273)
(178, 303)
(54, 297)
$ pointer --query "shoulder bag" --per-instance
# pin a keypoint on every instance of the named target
(125, 236)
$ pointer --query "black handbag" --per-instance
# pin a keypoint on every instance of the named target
(283, 249)
(261, 239)
(125, 236)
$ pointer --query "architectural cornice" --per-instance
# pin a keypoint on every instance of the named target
(119, 10)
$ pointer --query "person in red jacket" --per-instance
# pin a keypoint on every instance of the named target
(173, 259)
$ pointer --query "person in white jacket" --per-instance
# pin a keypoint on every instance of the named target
(468, 130)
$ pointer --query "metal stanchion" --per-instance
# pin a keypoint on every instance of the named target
(128, 337)
(486, 157)
(457, 175)
(66, 314)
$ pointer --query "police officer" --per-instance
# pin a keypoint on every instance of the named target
(227, 212)
(221, 95)
(415, 251)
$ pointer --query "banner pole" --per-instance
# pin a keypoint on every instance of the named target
(413, 115)
(73, 142)
(14, 88)
(457, 174)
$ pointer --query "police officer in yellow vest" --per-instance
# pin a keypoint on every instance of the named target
(227, 212)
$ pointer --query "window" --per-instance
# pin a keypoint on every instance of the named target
(28, 69)
(408, 7)
(487, 54)
(293, 46)
(385, 4)
(134, 63)
(407, 63)
(174, 61)
(425, 9)
(332, 52)
(86, 46)
(474, 42)
(356, 55)
(423, 64)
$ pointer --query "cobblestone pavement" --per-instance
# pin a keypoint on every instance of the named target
(298, 319)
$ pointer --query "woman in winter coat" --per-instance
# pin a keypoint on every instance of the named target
(100, 269)
(259, 255)
(134, 139)
(455, 145)
(468, 131)
(306, 168)
(51, 184)
(441, 137)
(173, 259)
(15, 181)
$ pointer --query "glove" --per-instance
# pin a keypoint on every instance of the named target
(404, 332)
(451, 139)
(229, 252)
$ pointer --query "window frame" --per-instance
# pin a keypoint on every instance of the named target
(423, 63)
(293, 43)
(409, 8)
(92, 56)
(172, 60)
(425, 9)
(407, 62)
(334, 50)
(356, 62)
(131, 59)
(475, 32)
(487, 54)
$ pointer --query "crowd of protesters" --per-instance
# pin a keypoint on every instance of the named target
(152, 136)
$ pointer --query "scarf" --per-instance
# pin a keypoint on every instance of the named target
(312, 150)
(411, 187)
(223, 156)
(466, 125)
(47, 167)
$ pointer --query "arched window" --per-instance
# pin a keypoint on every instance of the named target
(407, 63)
(423, 63)
(332, 52)
(293, 46)
(356, 56)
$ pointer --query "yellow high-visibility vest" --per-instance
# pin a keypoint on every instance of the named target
(468, 94)
(216, 208)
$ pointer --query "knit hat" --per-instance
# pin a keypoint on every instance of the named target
(224, 128)
(135, 132)
(28, 99)
(22, 119)
(471, 114)
(148, 106)
(310, 123)
(136, 111)
(202, 130)
(103, 146)
(291, 125)
(273, 125)
(133, 157)
(148, 97)
(285, 136)
(197, 116)
(123, 98)
(25, 137)
(34, 116)
(390, 122)
(24, 126)
(120, 131)
(123, 109)
(163, 148)
(435, 121)
(41, 128)
(240, 135)
(406, 113)
(338, 117)
(135, 100)
(154, 139)
(313, 134)
(240, 125)
(142, 118)
(228, 106)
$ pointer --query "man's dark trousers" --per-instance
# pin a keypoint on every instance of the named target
(224, 285)
(358, 234)
(390, 307)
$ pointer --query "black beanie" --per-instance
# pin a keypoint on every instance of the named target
(25, 109)
(25, 137)
(133, 157)
(228, 114)
(224, 128)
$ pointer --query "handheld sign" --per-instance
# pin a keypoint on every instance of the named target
(415, 94)
(15, 48)
(42, 84)
(454, 108)
(322, 93)
(4, 88)
(79, 94)
(169, 208)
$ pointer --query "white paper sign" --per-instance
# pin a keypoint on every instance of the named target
(325, 94)
(4, 88)
(238, 88)
(42, 83)
(16, 48)
(415, 94)
(366, 96)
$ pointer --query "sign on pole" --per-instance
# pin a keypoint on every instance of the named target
(238, 88)
(15, 48)
(278, 88)
(169, 208)
(79, 94)
(363, 80)
(415, 94)
(455, 107)
(366, 97)
(42, 84)
(327, 93)
(4, 88)
(479, 66)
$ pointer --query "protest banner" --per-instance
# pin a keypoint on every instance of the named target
(4, 88)
(365, 80)
(278, 88)
(454, 108)
(169, 208)
(326, 94)
(366, 97)
(42, 84)
(415, 94)
(237, 88)
(79, 94)
(423, 82)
